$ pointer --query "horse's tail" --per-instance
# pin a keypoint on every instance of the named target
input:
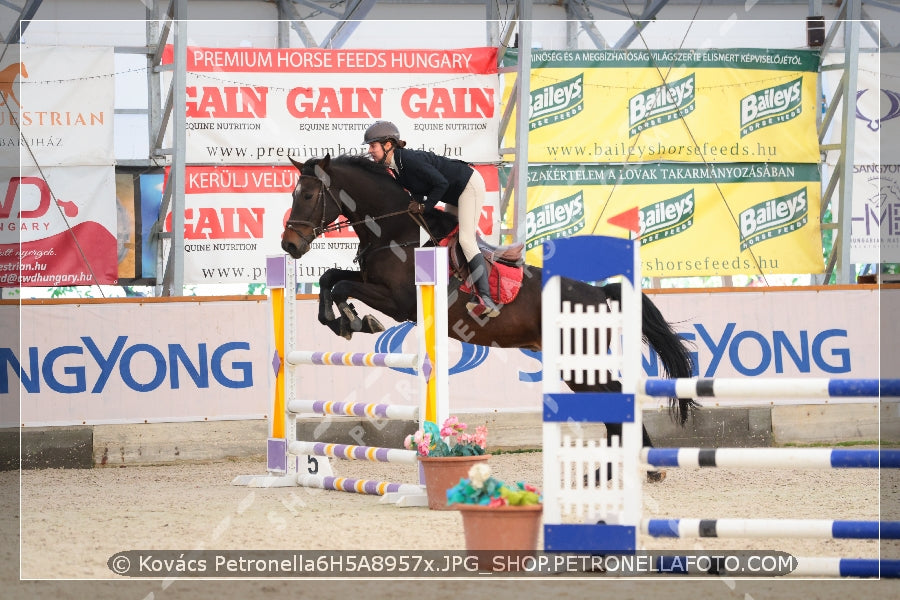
(673, 351)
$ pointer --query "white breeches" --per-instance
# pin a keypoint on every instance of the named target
(469, 212)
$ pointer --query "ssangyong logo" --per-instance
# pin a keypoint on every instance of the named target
(562, 218)
(556, 102)
(774, 218)
(662, 104)
(771, 106)
(667, 218)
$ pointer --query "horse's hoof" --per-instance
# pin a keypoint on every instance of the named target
(371, 325)
(655, 476)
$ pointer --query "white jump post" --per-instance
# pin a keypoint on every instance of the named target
(293, 462)
(574, 345)
(612, 517)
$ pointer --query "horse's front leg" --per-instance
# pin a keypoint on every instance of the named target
(380, 297)
(339, 325)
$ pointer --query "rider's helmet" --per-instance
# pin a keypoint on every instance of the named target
(381, 131)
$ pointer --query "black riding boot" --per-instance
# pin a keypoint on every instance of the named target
(479, 276)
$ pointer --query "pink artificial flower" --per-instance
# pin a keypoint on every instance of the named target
(480, 436)
(495, 502)
(408, 442)
(423, 448)
(452, 426)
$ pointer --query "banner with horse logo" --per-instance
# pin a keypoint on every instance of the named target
(57, 209)
(261, 105)
(705, 105)
(694, 219)
(58, 106)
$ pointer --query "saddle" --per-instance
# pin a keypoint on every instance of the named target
(505, 264)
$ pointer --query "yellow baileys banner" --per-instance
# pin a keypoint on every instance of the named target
(712, 105)
(717, 219)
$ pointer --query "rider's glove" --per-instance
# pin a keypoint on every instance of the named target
(416, 208)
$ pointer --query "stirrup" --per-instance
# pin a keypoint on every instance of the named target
(480, 308)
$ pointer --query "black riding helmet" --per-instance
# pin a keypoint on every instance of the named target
(381, 131)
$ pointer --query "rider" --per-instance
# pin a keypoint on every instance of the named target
(438, 179)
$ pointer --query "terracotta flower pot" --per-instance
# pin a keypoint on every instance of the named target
(501, 537)
(442, 473)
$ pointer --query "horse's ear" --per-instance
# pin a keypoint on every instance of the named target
(296, 164)
(322, 170)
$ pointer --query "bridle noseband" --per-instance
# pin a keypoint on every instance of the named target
(292, 224)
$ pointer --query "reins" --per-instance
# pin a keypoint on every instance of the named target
(362, 252)
(322, 228)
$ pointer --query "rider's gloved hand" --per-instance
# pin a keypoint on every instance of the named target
(416, 208)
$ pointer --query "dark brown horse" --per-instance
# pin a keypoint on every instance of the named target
(375, 205)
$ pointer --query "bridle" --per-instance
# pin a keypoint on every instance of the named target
(322, 228)
(292, 224)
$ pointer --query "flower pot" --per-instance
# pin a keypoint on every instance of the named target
(501, 537)
(442, 473)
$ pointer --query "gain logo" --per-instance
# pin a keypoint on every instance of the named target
(556, 102)
(770, 106)
(669, 217)
(774, 218)
(662, 104)
(562, 218)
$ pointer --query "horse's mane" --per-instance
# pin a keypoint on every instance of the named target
(352, 160)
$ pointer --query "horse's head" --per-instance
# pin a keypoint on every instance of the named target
(314, 206)
(372, 202)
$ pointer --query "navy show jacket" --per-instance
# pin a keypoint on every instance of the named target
(425, 173)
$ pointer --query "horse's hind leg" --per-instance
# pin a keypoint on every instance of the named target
(615, 429)
(653, 475)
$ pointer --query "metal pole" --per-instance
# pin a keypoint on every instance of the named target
(524, 104)
(845, 268)
(173, 284)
